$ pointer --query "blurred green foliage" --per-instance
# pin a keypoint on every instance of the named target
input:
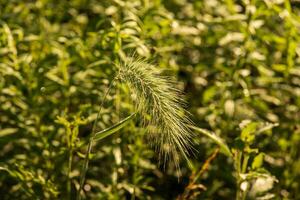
(237, 62)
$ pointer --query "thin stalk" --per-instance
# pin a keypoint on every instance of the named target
(245, 163)
(237, 163)
(90, 144)
(69, 186)
(134, 181)
(244, 194)
(205, 165)
(194, 177)
(241, 162)
(244, 169)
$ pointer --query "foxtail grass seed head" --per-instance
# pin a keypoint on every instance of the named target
(161, 108)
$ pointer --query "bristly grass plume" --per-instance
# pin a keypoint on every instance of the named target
(160, 106)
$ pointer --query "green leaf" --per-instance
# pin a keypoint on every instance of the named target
(248, 133)
(7, 131)
(258, 161)
(109, 131)
(224, 147)
(209, 94)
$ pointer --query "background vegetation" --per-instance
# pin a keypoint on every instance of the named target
(237, 63)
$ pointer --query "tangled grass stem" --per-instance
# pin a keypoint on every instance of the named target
(90, 144)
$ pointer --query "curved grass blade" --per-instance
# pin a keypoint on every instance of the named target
(111, 130)
(224, 147)
(7, 131)
(267, 127)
